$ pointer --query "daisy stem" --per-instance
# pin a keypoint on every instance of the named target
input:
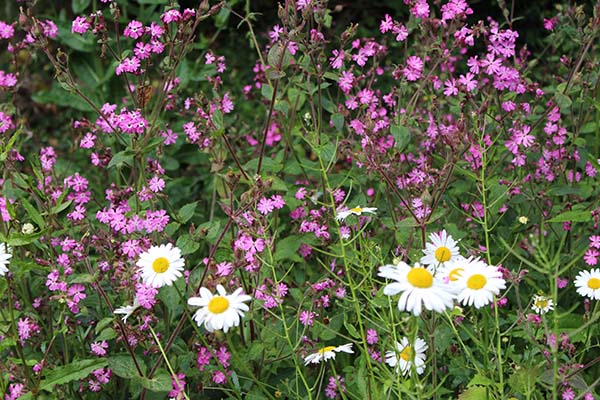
(162, 352)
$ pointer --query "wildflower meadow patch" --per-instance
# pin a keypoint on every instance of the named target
(310, 200)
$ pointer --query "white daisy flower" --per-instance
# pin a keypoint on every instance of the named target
(441, 249)
(588, 283)
(479, 282)
(5, 255)
(542, 304)
(358, 210)
(327, 353)
(161, 265)
(418, 287)
(127, 310)
(221, 311)
(407, 355)
(450, 272)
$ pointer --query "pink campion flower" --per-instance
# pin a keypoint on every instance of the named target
(131, 248)
(491, 64)
(561, 282)
(134, 29)
(4, 214)
(568, 394)
(468, 81)
(157, 46)
(80, 25)
(203, 359)
(77, 214)
(178, 385)
(129, 64)
(595, 241)
(591, 257)
(26, 329)
(87, 142)
(6, 31)
(338, 59)
(156, 184)
(99, 348)
(275, 33)
(224, 269)
(413, 69)
(169, 136)
(265, 206)
(7, 80)
(219, 377)
(15, 390)
(550, 23)
(145, 295)
(102, 375)
(171, 16)
(335, 383)
(226, 104)
(386, 24)
(188, 13)
(372, 337)
(155, 30)
(307, 318)
(142, 50)
(420, 9)
(50, 30)
(5, 122)
(451, 89)
(401, 32)
(346, 81)
(303, 4)
(223, 356)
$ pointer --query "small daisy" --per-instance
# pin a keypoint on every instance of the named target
(418, 287)
(542, 304)
(441, 249)
(406, 356)
(358, 210)
(161, 265)
(327, 353)
(588, 283)
(5, 255)
(479, 282)
(127, 310)
(221, 311)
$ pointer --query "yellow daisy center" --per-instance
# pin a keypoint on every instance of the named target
(594, 283)
(420, 277)
(541, 303)
(326, 349)
(407, 353)
(160, 265)
(218, 305)
(476, 282)
(442, 254)
(356, 210)
(455, 274)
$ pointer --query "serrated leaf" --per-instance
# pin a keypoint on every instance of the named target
(71, 372)
(187, 212)
(572, 216)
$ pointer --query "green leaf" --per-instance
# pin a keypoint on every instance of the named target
(79, 6)
(563, 101)
(161, 382)
(122, 365)
(572, 216)
(401, 136)
(18, 239)
(124, 157)
(106, 334)
(473, 393)
(287, 248)
(60, 207)
(34, 214)
(186, 212)
(338, 121)
(186, 244)
(71, 372)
